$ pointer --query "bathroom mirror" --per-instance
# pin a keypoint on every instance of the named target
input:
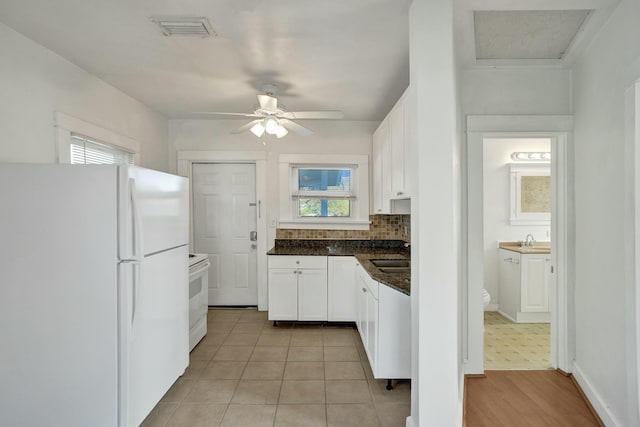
(530, 194)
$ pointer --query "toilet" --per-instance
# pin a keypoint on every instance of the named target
(486, 297)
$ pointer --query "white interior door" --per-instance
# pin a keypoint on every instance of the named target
(224, 217)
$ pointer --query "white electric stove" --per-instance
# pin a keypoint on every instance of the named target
(198, 297)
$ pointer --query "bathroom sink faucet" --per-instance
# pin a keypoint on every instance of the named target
(529, 241)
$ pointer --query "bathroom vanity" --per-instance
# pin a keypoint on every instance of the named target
(523, 275)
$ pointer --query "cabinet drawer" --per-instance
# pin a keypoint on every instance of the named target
(291, 261)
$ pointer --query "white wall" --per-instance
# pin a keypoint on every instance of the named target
(497, 188)
(329, 137)
(515, 91)
(35, 82)
(437, 378)
(605, 362)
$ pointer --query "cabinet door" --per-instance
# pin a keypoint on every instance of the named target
(410, 143)
(283, 294)
(312, 294)
(535, 283)
(381, 168)
(361, 303)
(372, 330)
(396, 132)
(509, 283)
(341, 304)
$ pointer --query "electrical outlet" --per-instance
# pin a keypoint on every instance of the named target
(273, 223)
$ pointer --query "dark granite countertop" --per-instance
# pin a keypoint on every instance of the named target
(363, 250)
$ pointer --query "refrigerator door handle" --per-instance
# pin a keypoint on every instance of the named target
(137, 282)
(138, 254)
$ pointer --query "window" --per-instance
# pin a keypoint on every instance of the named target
(322, 191)
(81, 142)
(85, 151)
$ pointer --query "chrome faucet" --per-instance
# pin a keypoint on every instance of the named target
(529, 241)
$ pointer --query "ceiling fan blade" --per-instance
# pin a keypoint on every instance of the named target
(313, 115)
(246, 127)
(300, 130)
(268, 103)
(227, 114)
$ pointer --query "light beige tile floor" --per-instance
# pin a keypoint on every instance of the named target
(518, 346)
(247, 373)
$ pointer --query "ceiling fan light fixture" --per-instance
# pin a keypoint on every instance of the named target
(258, 129)
(271, 125)
(282, 131)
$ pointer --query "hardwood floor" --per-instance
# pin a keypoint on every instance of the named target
(525, 399)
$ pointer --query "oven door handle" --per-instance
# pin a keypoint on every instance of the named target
(205, 265)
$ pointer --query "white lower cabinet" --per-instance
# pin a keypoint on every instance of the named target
(341, 292)
(384, 323)
(298, 288)
(523, 286)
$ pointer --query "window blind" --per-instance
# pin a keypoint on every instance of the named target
(85, 152)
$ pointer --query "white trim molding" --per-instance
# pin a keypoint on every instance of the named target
(559, 129)
(360, 204)
(67, 125)
(594, 398)
(632, 212)
(185, 160)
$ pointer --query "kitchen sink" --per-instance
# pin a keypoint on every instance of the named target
(392, 263)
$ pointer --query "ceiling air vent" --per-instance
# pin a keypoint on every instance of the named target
(184, 26)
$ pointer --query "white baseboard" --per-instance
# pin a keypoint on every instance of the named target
(594, 398)
(410, 422)
(491, 307)
(507, 316)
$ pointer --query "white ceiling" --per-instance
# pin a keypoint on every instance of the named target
(351, 55)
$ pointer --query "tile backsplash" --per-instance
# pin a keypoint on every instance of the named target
(383, 227)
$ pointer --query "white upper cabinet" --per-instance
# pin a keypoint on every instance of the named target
(396, 126)
(392, 155)
(381, 169)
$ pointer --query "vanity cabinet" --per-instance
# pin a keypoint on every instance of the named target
(298, 288)
(524, 286)
(341, 289)
(384, 324)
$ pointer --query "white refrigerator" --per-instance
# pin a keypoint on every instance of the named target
(94, 293)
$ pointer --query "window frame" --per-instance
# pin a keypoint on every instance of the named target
(298, 194)
(67, 126)
(290, 192)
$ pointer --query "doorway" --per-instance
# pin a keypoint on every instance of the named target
(224, 227)
(558, 129)
(517, 211)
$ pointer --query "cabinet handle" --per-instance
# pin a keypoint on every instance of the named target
(508, 259)
(364, 290)
(400, 193)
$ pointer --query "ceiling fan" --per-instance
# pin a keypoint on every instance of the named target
(276, 120)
